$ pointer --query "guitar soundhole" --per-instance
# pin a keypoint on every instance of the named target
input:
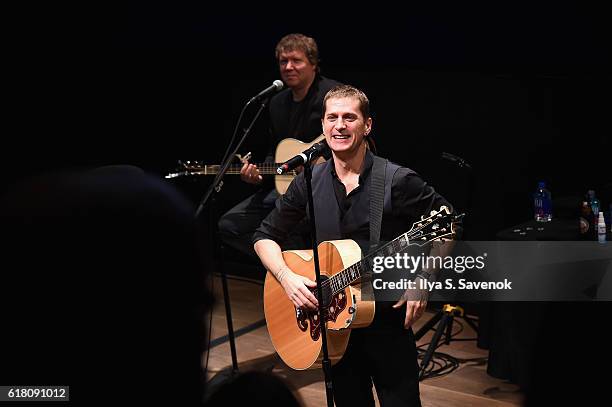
(335, 305)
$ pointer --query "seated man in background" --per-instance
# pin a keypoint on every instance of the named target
(294, 113)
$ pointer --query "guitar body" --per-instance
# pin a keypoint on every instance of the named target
(285, 150)
(296, 335)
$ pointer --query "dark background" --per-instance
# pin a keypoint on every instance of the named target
(522, 93)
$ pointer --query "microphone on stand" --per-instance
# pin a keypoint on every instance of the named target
(305, 157)
(275, 87)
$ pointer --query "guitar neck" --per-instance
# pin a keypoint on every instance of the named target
(264, 169)
(427, 230)
(363, 268)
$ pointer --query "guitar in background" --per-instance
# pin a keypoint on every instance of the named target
(285, 150)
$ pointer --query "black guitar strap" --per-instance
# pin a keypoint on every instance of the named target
(377, 195)
(380, 196)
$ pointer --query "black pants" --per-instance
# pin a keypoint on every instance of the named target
(236, 226)
(386, 358)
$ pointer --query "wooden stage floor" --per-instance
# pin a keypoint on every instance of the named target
(468, 385)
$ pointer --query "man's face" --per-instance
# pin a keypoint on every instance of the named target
(344, 125)
(295, 69)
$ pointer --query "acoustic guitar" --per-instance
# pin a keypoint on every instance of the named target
(296, 333)
(285, 150)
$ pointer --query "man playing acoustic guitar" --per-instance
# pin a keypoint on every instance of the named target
(383, 353)
(294, 113)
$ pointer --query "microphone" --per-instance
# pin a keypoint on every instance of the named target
(305, 157)
(275, 87)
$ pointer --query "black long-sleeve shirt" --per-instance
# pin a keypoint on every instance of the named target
(411, 197)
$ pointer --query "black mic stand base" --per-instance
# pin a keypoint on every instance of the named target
(446, 317)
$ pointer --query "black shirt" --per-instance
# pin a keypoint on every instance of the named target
(354, 207)
(411, 197)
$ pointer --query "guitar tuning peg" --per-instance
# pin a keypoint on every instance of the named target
(433, 213)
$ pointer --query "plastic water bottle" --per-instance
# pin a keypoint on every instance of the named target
(601, 228)
(542, 203)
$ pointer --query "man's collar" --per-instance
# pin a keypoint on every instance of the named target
(368, 161)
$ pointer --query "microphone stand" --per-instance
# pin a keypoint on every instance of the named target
(210, 198)
(322, 312)
(464, 165)
(449, 312)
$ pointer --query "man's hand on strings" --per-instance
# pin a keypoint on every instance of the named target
(249, 173)
(298, 290)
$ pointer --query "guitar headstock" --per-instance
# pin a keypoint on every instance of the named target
(438, 226)
(187, 168)
(190, 165)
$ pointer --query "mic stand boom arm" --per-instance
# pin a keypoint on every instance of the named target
(218, 182)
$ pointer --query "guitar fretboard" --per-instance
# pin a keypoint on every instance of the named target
(423, 233)
(264, 169)
(362, 268)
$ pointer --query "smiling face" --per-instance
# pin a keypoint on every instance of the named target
(295, 69)
(344, 125)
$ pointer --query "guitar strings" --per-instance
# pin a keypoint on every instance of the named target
(407, 235)
(393, 243)
(266, 169)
